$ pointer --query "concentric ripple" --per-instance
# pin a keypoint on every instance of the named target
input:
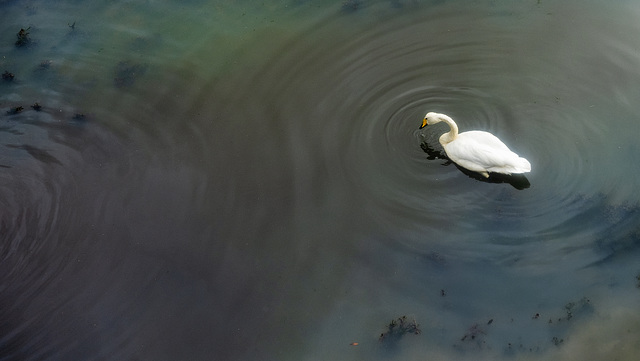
(232, 168)
(353, 105)
(45, 223)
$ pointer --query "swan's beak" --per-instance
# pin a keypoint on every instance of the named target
(424, 123)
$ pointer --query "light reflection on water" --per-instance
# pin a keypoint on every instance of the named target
(249, 183)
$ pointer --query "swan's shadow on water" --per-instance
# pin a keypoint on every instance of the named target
(517, 181)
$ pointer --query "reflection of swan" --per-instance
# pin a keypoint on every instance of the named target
(477, 151)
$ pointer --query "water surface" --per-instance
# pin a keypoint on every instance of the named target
(232, 181)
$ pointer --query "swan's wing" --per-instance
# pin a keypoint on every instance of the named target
(480, 151)
(484, 139)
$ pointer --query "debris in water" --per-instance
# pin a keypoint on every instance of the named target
(15, 110)
(474, 331)
(6, 76)
(23, 37)
(398, 328)
(580, 306)
(45, 64)
(37, 107)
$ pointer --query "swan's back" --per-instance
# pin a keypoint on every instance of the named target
(481, 151)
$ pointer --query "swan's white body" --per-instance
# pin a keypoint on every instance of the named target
(476, 150)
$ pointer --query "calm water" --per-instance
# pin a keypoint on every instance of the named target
(234, 181)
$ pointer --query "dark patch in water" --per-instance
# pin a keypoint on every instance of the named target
(474, 338)
(127, 73)
(399, 4)
(434, 261)
(6, 76)
(557, 341)
(23, 38)
(558, 326)
(45, 64)
(583, 306)
(144, 45)
(622, 234)
(474, 332)
(15, 110)
(572, 309)
(37, 153)
(351, 5)
(79, 117)
(398, 328)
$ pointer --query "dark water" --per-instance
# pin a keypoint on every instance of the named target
(233, 181)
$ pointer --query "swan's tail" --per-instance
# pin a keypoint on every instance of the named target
(516, 166)
(523, 166)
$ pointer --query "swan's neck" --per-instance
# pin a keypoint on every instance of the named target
(452, 134)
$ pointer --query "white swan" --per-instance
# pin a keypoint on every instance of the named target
(476, 150)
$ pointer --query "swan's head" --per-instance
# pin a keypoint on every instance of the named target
(431, 118)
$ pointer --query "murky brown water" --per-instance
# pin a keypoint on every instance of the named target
(233, 181)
